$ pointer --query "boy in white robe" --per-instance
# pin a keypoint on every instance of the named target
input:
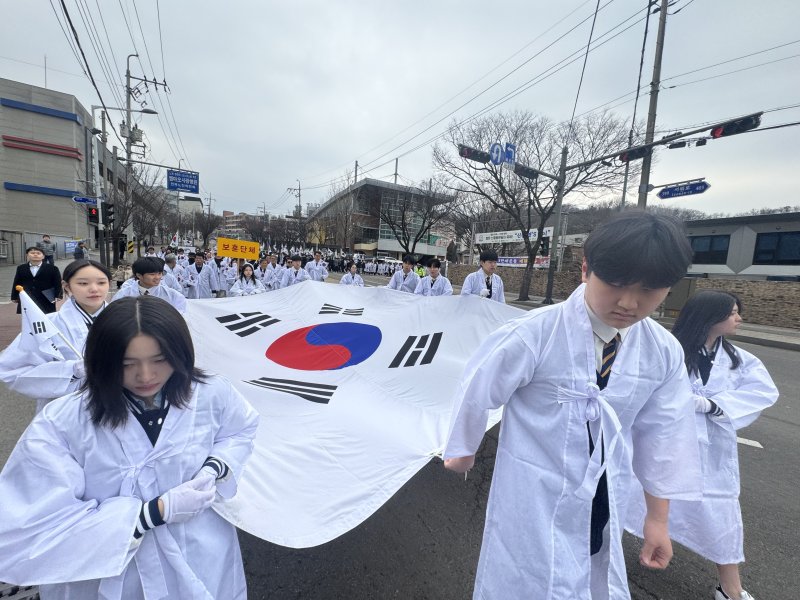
(405, 280)
(485, 282)
(294, 274)
(317, 268)
(434, 284)
(568, 444)
(149, 272)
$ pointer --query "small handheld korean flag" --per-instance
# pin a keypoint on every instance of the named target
(37, 330)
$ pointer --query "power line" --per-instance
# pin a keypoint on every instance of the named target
(86, 62)
(70, 43)
(583, 68)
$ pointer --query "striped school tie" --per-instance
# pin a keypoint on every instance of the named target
(600, 510)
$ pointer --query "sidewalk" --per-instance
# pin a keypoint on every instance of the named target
(761, 335)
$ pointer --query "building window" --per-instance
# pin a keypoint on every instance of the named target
(710, 249)
(777, 248)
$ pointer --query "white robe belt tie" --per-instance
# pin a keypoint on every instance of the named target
(593, 407)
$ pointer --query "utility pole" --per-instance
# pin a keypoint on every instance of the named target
(396, 160)
(651, 115)
(299, 201)
(355, 179)
(561, 184)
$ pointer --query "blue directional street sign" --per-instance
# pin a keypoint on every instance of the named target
(511, 153)
(183, 181)
(496, 153)
(84, 200)
(686, 189)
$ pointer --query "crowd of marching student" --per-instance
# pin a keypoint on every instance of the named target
(109, 488)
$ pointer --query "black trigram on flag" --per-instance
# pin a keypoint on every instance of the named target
(39, 327)
(313, 392)
(424, 346)
(330, 309)
(244, 324)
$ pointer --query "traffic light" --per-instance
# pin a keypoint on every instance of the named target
(473, 154)
(94, 215)
(635, 154)
(737, 126)
(544, 247)
(526, 172)
(108, 213)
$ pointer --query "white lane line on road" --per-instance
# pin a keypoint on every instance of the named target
(747, 442)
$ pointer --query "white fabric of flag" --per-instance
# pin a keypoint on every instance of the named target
(37, 329)
(355, 388)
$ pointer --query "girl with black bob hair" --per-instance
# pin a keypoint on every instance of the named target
(117, 507)
(49, 374)
(730, 389)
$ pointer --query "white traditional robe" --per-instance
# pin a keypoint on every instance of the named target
(171, 281)
(292, 277)
(541, 368)
(350, 279)
(318, 271)
(476, 282)
(40, 376)
(199, 285)
(440, 287)
(713, 527)
(73, 491)
(275, 276)
(404, 283)
(161, 291)
(247, 287)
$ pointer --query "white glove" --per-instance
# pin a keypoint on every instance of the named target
(79, 369)
(187, 500)
(702, 404)
(206, 473)
(484, 293)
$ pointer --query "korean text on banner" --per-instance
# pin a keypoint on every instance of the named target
(237, 249)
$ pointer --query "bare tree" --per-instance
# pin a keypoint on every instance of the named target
(257, 227)
(150, 204)
(530, 202)
(412, 215)
(206, 223)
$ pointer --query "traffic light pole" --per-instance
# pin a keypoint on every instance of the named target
(561, 183)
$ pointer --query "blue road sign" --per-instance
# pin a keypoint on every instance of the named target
(183, 181)
(84, 200)
(686, 189)
(496, 153)
(511, 153)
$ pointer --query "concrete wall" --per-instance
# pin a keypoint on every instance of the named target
(775, 303)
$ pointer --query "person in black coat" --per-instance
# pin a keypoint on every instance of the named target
(41, 281)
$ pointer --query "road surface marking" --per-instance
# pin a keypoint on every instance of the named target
(747, 442)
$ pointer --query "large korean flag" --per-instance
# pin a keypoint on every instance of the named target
(355, 388)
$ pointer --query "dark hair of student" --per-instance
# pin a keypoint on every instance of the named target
(435, 262)
(408, 259)
(76, 265)
(147, 264)
(639, 247)
(108, 340)
(29, 248)
(244, 277)
(488, 255)
(700, 313)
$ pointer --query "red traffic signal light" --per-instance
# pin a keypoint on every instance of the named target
(737, 126)
(473, 154)
(94, 215)
(635, 154)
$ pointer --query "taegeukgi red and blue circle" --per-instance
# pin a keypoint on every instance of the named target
(325, 347)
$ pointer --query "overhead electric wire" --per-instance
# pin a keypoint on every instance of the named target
(70, 43)
(86, 62)
(99, 50)
(583, 68)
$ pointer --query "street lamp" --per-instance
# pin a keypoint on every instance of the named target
(104, 137)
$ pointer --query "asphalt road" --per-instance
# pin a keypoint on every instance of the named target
(424, 542)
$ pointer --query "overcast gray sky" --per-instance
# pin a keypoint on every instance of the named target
(264, 93)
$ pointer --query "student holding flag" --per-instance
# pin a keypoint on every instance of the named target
(108, 493)
(295, 274)
(594, 394)
(434, 284)
(405, 280)
(351, 277)
(45, 361)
